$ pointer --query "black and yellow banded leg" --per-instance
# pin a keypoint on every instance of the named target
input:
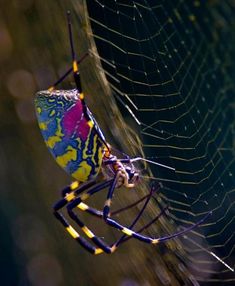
(81, 240)
(146, 226)
(106, 210)
(96, 240)
(88, 246)
(78, 202)
(100, 243)
(67, 73)
(97, 213)
(70, 193)
(128, 231)
(102, 246)
(151, 240)
(77, 188)
(138, 216)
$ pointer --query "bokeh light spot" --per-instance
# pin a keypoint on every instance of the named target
(6, 43)
(25, 110)
(21, 84)
(44, 270)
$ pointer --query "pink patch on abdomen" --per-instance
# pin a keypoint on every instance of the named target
(74, 120)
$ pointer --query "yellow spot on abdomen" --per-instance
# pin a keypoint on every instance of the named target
(52, 113)
(39, 110)
(90, 123)
(51, 141)
(42, 125)
(70, 155)
(83, 172)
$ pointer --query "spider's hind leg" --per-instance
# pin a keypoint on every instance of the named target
(78, 202)
(66, 200)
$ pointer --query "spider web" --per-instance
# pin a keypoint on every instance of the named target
(171, 63)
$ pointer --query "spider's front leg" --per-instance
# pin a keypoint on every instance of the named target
(128, 231)
(121, 178)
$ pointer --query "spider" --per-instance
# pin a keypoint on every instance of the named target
(74, 138)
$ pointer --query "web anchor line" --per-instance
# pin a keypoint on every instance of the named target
(210, 253)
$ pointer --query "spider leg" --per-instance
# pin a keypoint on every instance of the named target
(129, 232)
(93, 211)
(81, 240)
(98, 213)
(61, 203)
(96, 240)
(116, 212)
(152, 240)
(78, 202)
(73, 193)
(138, 216)
(146, 226)
(67, 73)
(70, 192)
(131, 160)
(106, 210)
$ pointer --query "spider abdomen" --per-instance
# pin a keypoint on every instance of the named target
(69, 134)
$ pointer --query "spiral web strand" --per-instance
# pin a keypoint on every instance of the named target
(170, 63)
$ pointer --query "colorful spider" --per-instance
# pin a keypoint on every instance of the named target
(78, 145)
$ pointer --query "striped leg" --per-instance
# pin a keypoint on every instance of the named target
(84, 207)
(82, 241)
(137, 217)
(152, 240)
(146, 226)
(106, 210)
(78, 202)
(100, 243)
(70, 192)
(96, 240)
(67, 73)
(129, 232)
(70, 197)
